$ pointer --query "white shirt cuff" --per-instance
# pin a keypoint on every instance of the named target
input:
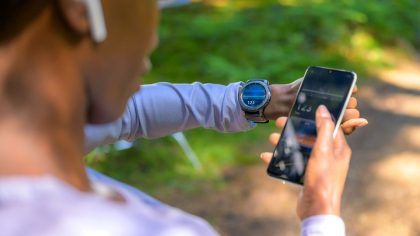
(323, 225)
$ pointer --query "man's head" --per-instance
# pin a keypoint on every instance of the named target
(116, 64)
(108, 70)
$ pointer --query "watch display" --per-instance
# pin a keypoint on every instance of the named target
(254, 96)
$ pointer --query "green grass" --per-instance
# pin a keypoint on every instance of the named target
(248, 39)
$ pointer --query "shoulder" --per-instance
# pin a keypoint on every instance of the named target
(58, 209)
(65, 216)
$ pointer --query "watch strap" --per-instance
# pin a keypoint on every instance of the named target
(257, 117)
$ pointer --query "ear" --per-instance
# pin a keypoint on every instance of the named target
(84, 16)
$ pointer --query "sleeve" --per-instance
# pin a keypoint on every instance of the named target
(164, 108)
(323, 225)
(157, 217)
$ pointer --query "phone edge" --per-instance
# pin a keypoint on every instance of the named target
(290, 112)
(336, 126)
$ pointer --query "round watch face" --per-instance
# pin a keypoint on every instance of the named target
(254, 95)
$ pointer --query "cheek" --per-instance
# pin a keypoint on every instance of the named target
(122, 58)
(109, 87)
(131, 59)
(144, 67)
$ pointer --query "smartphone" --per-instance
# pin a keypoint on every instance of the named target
(320, 86)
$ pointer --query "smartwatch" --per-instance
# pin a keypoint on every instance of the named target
(253, 96)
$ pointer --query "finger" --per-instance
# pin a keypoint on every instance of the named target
(281, 122)
(350, 114)
(296, 82)
(355, 123)
(266, 157)
(354, 90)
(348, 131)
(352, 103)
(340, 144)
(325, 129)
(339, 140)
(274, 138)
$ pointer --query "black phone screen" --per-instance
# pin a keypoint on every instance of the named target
(321, 86)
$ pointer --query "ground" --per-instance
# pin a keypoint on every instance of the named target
(382, 192)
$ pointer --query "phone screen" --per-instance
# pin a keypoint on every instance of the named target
(321, 86)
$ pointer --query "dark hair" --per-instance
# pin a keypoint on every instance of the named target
(15, 15)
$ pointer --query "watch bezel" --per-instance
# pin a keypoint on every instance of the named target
(267, 98)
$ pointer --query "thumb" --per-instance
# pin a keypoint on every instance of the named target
(296, 83)
(325, 130)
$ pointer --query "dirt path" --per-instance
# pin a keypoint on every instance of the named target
(383, 189)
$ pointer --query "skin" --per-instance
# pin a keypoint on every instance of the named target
(54, 79)
(283, 96)
(326, 169)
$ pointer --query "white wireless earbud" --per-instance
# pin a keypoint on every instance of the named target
(97, 20)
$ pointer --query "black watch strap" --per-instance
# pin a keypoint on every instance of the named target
(257, 117)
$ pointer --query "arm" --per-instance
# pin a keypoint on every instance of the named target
(319, 203)
(163, 108)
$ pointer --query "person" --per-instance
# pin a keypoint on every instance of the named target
(161, 109)
(209, 105)
(58, 71)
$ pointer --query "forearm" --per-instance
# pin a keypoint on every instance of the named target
(166, 108)
(163, 108)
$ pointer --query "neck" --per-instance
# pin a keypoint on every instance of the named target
(24, 152)
(41, 113)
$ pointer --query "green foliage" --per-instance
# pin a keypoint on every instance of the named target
(254, 38)
(226, 44)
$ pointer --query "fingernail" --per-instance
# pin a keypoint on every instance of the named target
(363, 123)
(323, 111)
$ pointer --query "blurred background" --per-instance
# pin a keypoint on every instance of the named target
(222, 41)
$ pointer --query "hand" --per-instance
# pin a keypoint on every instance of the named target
(326, 169)
(282, 99)
(351, 119)
(283, 96)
